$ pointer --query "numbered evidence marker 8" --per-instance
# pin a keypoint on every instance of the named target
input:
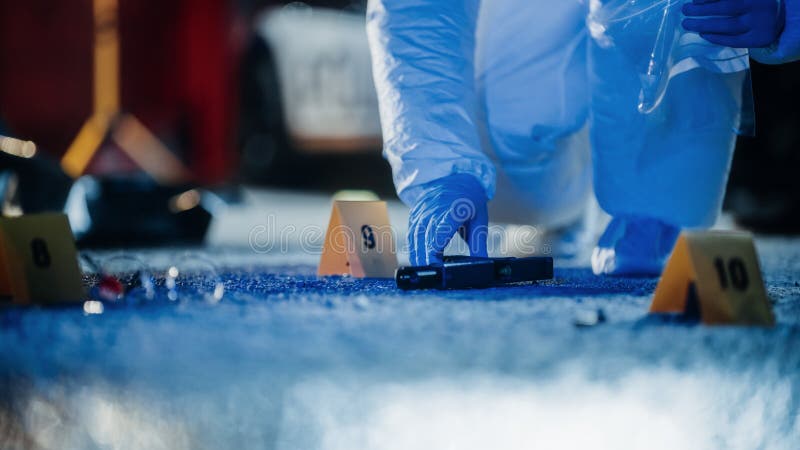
(359, 241)
(38, 260)
(723, 266)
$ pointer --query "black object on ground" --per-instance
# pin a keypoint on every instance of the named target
(461, 272)
(42, 185)
(135, 211)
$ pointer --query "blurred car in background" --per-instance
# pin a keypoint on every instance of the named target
(307, 93)
(325, 78)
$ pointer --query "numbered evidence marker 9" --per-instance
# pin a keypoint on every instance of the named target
(38, 260)
(359, 241)
(724, 270)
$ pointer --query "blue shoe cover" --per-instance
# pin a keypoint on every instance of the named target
(634, 246)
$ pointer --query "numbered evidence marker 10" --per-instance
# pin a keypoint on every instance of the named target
(723, 271)
(38, 260)
(359, 241)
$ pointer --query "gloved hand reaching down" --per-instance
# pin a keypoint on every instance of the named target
(444, 207)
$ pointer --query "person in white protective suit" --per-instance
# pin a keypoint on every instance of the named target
(491, 100)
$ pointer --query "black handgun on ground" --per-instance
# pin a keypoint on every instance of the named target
(463, 272)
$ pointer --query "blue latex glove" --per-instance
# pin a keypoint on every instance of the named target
(449, 205)
(736, 23)
(634, 246)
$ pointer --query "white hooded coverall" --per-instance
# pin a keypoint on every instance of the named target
(504, 89)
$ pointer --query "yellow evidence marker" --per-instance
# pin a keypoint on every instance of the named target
(38, 260)
(721, 271)
(359, 241)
